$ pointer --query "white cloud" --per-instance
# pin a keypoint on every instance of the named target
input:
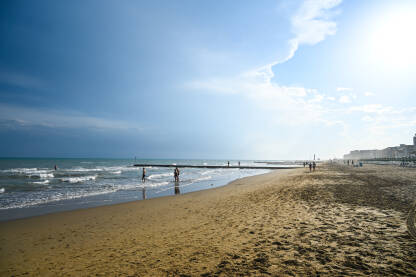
(373, 108)
(14, 116)
(345, 99)
(312, 23)
(344, 89)
(367, 118)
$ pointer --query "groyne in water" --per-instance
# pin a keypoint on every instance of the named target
(215, 166)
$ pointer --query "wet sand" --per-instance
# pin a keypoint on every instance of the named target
(337, 221)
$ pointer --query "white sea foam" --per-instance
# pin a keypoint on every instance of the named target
(82, 169)
(156, 184)
(42, 182)
(159, 176)
(44, 175)
(79, 179)
(30, 172)
(116, 172)
(20, 170)
(101, 168)
(202, 179)
(58, 197)
(2, 190)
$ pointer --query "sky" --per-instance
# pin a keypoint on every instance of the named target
(233, 79)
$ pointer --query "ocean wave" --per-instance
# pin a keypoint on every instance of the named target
(206, 172)
(100, 169)
(155, 184)
(202, 179)
(116, 172)
(43, 175)
(57, 197)
(20, 170)
(41, 182)
(79, 179)
(82, 169)
(159, 176)
(30, 172)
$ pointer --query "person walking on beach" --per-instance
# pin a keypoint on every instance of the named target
(314, 166)
(144, 175)
(310, 166)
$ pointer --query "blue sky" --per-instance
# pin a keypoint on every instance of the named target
(206, 79)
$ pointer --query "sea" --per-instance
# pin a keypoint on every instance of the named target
(32, 186)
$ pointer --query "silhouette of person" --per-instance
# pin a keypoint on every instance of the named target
(144, 175)
(310, 167)
(314, 166)
(176, 174)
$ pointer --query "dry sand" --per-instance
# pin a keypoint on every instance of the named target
(336, 221)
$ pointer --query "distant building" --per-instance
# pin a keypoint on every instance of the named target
(397, 152)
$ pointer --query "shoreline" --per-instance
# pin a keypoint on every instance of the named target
(130, 202)
(335, 221)
(137, 193)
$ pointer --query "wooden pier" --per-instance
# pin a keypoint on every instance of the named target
(215, 166)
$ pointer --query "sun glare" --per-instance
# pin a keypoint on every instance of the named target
(392, 39)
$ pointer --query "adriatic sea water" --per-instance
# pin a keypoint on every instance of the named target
(31, 186)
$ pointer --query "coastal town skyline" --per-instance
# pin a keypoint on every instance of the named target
(214, 80)
(392, 152)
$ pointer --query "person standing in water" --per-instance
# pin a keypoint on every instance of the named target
(144, 175)
(176, 174)
(56, 167)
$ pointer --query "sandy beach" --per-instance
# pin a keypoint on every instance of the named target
(337, 221)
